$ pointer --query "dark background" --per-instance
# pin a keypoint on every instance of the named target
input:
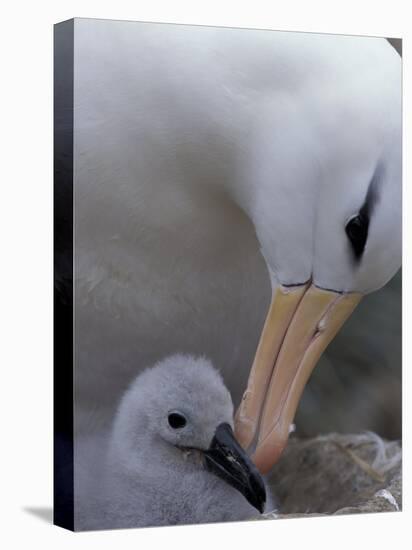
(357, 383)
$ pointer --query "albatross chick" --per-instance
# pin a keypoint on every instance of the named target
(172, 457)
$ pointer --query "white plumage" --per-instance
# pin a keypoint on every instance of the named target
(206, 159)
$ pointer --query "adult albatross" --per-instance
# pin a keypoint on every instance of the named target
(196, 148)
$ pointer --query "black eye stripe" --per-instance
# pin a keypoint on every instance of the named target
(176, 420)
(357, 227)
(357, 232)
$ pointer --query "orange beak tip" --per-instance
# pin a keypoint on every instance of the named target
(268, 454)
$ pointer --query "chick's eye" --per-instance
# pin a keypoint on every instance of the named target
(357, 232)
(176, 420)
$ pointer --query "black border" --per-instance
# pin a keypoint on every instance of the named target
(63, 514)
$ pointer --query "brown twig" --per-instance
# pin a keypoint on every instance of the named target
(374, 474)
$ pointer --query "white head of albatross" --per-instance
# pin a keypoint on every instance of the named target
(330, 231)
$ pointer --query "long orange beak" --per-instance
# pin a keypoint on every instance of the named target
(301, 322)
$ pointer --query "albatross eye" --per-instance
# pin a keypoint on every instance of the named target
(357, 232)
(176, 420)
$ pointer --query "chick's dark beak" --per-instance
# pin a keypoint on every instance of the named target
(226, 459)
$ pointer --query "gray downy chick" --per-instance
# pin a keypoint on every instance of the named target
(172, 457)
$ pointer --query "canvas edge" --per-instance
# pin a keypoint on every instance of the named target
(63, 444)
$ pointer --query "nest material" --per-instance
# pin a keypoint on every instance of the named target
(338, 474)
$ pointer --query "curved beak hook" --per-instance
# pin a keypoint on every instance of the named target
(228, 460)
